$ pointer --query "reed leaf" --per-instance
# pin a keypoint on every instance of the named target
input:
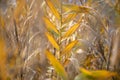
(101, 74)
(72, 29)
(98, 74)
(53, 9)
(56, 64)
(50, 25)
(68, 48)
(52, 40)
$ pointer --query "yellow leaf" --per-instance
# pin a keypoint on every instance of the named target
(75, 9)
(69, 47)
(98, 74)
(72, 29)
(2, 23)
(69, 18)
(56, 64)
(86, 72)
(101, 74)
(52, 40)
(53, 9)
(50, 25)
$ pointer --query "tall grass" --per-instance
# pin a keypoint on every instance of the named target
(60, 40)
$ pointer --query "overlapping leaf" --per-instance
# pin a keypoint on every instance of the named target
(50, 25)
(72, 29)
(53, 9)
(56, 64)
(68, 48)
(52, 40)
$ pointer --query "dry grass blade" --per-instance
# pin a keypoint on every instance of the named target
(52, 40)
(68, 48)
(50, 25)
(75, 9)
(56, 64)
(72, 29)
(53, 9)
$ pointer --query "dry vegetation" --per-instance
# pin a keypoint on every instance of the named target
(59, 39)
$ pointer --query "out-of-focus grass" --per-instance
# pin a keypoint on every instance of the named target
(78, 34)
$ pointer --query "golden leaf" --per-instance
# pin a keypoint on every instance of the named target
(52, 40)
(53, 9)
(72, 29)
(56, 64)
(98, 74)
(50, 25)
(101, 74)
(86, 72)
(69, 47)
(75, 9)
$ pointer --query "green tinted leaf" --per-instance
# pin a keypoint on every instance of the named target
(98, 74)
